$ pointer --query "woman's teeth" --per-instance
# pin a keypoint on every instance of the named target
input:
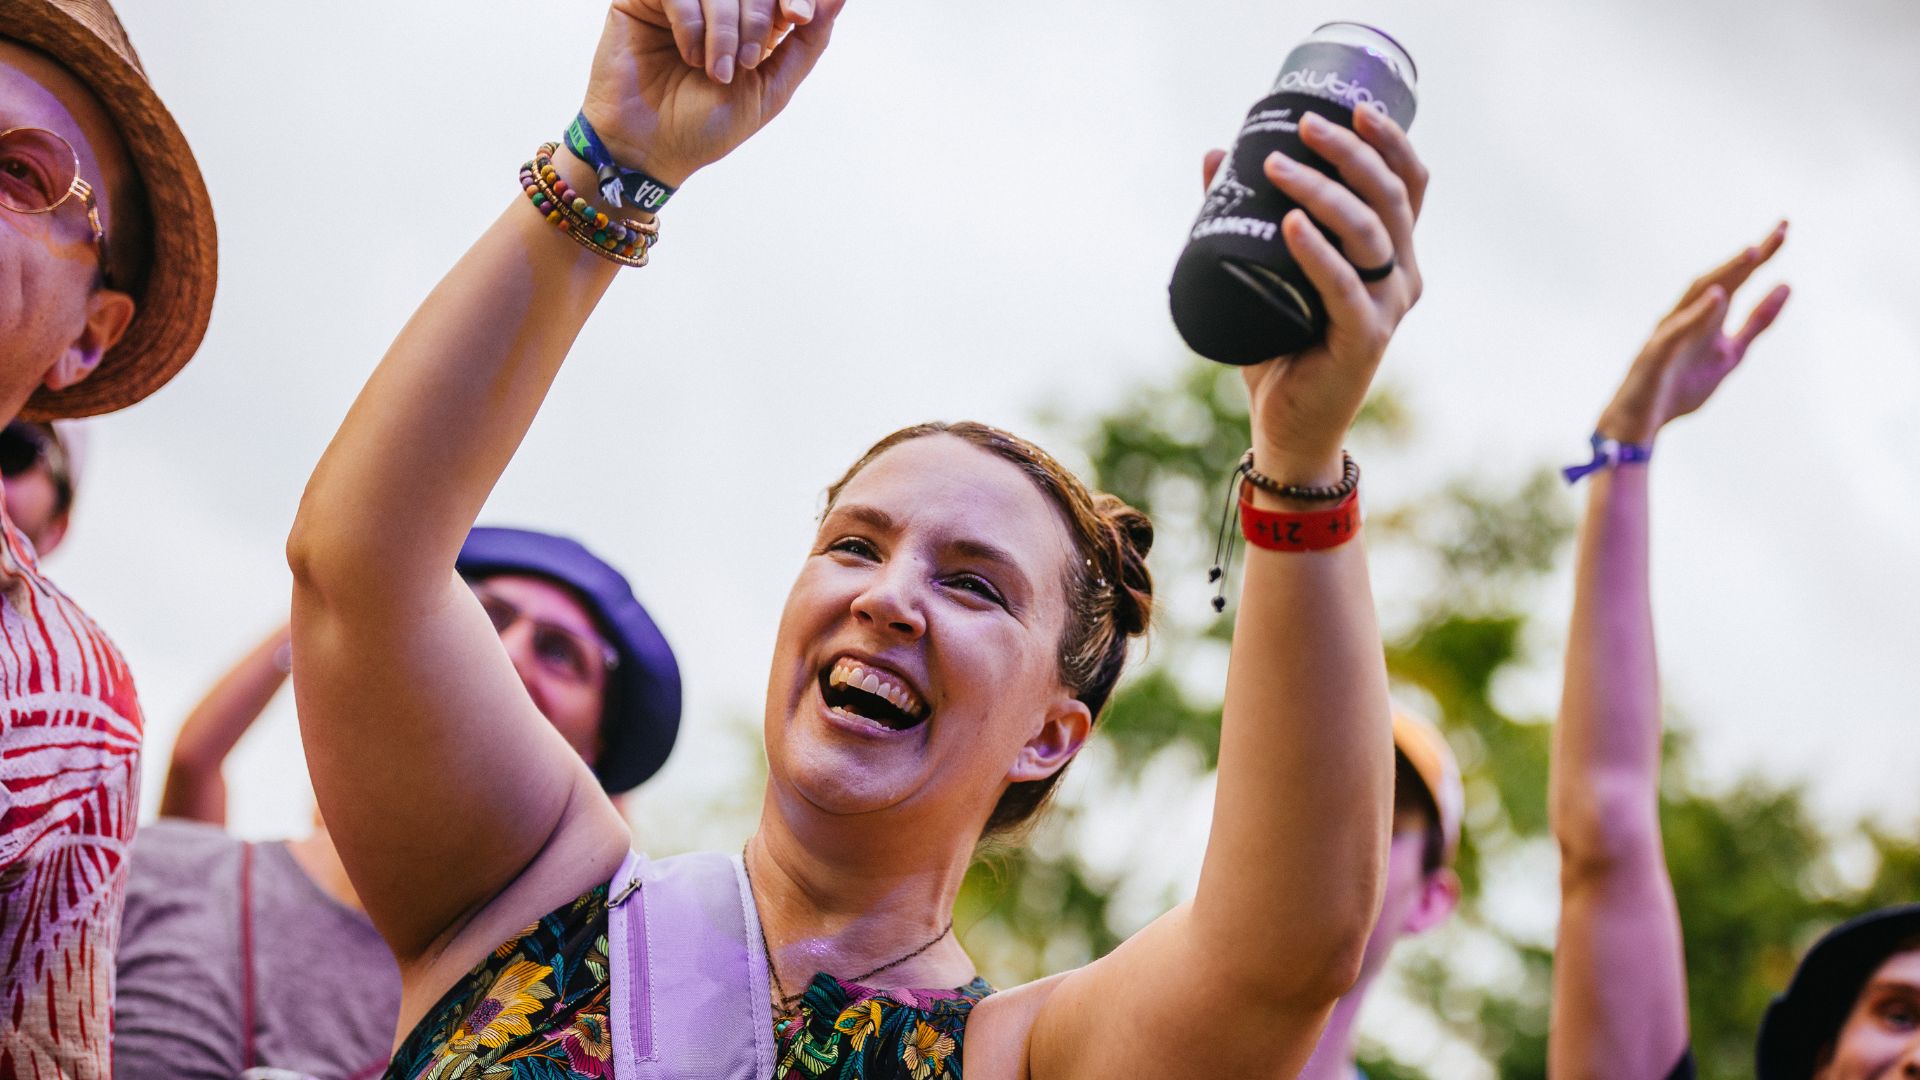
(842, 710)
(875, 682)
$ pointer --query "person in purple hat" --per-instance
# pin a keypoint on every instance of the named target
(242, 959)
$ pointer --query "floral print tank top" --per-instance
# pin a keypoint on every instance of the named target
(537, 1009)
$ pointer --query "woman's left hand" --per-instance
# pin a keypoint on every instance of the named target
(1303, 404)
(678, 84)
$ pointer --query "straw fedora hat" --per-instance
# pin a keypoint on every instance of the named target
(176, 298)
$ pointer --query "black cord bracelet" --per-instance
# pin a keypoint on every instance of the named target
(1349, 479)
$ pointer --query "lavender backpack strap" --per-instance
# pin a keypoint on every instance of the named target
(690, 997)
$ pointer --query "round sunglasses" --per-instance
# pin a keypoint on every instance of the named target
(39, 172)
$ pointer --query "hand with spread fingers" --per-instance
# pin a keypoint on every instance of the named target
(1622, 1013)
(1690, 352)
(1367, 274)
(678, 84)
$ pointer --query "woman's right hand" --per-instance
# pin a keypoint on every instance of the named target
(1302, 405)
(1690, 352)
(678, 84)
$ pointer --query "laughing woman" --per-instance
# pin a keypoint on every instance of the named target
(945, 651)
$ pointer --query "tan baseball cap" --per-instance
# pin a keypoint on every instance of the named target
(1426, 749)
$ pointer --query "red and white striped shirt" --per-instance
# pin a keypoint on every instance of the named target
(70, 729)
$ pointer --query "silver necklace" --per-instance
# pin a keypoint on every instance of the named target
(785, 1011)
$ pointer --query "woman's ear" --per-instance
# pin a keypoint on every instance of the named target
(1061, 735)
(109, 312)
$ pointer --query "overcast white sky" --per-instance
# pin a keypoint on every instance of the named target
(972, 213)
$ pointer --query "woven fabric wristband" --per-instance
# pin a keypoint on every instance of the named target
(1311, 530)
(1608, 453)
(619, 185)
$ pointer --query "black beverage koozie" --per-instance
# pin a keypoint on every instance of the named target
(1237, 294)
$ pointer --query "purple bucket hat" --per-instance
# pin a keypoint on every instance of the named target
(642, 713)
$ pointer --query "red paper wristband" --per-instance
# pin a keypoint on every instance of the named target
(1311, 530)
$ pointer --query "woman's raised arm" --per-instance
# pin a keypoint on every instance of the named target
(1619, 978)
(440, 782)
(1239, 981)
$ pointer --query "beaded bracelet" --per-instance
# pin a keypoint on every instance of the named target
(1306, 530)
(1349, 480)
(575, 225)
(626, 242)
(627, 237)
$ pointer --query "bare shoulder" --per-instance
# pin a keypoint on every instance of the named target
(999, 1028)
(1154, 1006)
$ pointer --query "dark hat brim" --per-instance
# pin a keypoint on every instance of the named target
(641, 718)
(1807, 1017)
(175, 299)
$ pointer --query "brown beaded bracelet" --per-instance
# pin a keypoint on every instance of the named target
(1349, 480)
(626, 242)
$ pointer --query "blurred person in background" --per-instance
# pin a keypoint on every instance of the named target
(107, 271)
(40, 464)
(257, 959)
(950, 639)
(1852, 1009)
(1421, 889)
(1619, 976)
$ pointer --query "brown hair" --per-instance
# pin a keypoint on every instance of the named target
(1109, 591)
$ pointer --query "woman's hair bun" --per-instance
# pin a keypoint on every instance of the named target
(1133, 586)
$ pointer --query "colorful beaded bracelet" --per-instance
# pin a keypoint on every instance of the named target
(574, 224)
(626, 242)
(629, 237)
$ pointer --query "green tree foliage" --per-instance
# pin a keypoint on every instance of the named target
(1460, 572)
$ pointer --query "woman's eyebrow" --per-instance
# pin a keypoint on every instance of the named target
(966, 547)
(871, 516)
(990, 553)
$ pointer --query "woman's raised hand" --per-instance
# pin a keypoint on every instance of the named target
(1303, 404)
(1690, 352)
(677, 84)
